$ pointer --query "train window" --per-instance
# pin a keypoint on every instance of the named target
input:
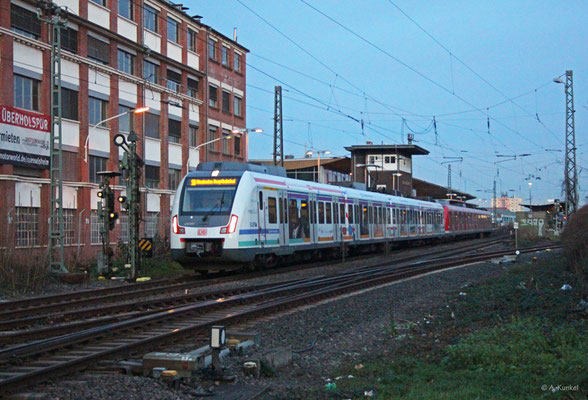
(350, 211)
(342, 213)
(285, 210)
(261, 200)
(281, 208)
(371, 215)
(272, 210)
(329, 217)
(321, 212)
(335, 213)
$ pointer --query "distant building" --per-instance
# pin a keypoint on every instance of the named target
(334, 170)
(508, 203)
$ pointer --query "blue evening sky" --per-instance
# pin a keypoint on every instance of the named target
(332, 78)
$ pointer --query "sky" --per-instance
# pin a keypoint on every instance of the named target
(473, 80)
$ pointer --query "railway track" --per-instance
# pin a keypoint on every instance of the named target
(33, 362)
(55, 319)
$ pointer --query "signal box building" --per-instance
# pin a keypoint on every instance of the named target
(117, 56)
(384, 167)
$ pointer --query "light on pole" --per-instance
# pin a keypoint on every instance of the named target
(234, 133)
(394, 180)
(318, 167)
(139, 110)
(530, 198)
(366, 175)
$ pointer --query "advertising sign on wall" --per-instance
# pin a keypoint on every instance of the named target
(24, 138)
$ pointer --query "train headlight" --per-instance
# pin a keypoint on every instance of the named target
(177, 229)
(230, 228)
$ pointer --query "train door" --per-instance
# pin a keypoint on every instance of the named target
(283, 221)
(272, 225)
(313, 231)
(261, 219)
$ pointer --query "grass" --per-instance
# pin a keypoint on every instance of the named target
(505, 339)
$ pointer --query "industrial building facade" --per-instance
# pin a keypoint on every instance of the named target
(117, 56)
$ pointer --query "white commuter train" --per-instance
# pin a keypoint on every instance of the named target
(227, 215)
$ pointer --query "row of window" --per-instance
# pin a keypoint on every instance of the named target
(213, 134)
(225, 56)
(226, 101)
(27, 226)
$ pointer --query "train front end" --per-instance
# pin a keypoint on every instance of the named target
(205, 220)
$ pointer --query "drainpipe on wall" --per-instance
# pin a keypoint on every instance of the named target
(79, 232)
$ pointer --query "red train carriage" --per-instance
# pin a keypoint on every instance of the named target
(466, 220)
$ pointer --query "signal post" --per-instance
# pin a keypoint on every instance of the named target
(108, 217)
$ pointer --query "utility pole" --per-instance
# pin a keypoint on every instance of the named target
(449, 180)
(278, 128)
(571, 175)
(56, 17)
(133, 164)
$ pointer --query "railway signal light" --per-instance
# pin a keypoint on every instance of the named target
(101, 194)
(122, 200)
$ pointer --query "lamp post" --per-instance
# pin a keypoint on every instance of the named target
(366, 166)
(139, 110)
(234, 133)
(530, 198)
(318, 167)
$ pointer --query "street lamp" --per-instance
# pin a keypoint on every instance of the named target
(530, 198)
(366, 166)
(394, 180)
(234, 133)
(139, 110)
(318, 167)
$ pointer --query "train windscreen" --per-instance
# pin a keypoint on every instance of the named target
(207, 200)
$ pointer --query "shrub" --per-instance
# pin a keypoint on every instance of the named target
(575, 241)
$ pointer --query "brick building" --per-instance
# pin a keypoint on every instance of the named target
(118, 55)
(508, 203)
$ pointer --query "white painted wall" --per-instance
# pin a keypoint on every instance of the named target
(70, 197)
(174, 51)
(152, 40)
(98, 15)
(194, 113)
(73, 6)
(153, 202)
(127, 28)
(152, 99)
(71, 133)
(127, 91)
(70, 72)
(27, 194)
(28, 58)
(99, 139)
(173, 110)
(193, 60)
(99, 81)
(174, 154)
(152, 149)
(194, 157)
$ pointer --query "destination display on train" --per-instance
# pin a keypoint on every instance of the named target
(213, 182)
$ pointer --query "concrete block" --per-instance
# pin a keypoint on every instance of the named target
(184, 363)
(277, 358)
(255, 337)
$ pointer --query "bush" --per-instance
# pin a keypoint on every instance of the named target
(575, 241)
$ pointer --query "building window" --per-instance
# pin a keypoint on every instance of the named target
(150, 18)
(192, 88)
(98, 50)
(69, 40)
(212, 132)
(173, 80)
(151, 176)
(125, 122)
(226, 101)
(175, 175)
(212, 49)
(237, 102)
(152, 125)
(96, 110)
(150, 72)
(95, 228)
(175, 131)
(69, 104)
(225, 141)
(225, 55)
(24, 22)
(101, 2)
(193, 135)
(150, 224)
(213, 96)
(96, 164)
(68, 227)
(27, 226)
(237, 62)
(192, 40)
(372, 160)
(26, 93)
(172, 30)
(125, 8)
(237, 145)
(126, 62)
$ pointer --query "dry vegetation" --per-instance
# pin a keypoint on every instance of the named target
(575, 241)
